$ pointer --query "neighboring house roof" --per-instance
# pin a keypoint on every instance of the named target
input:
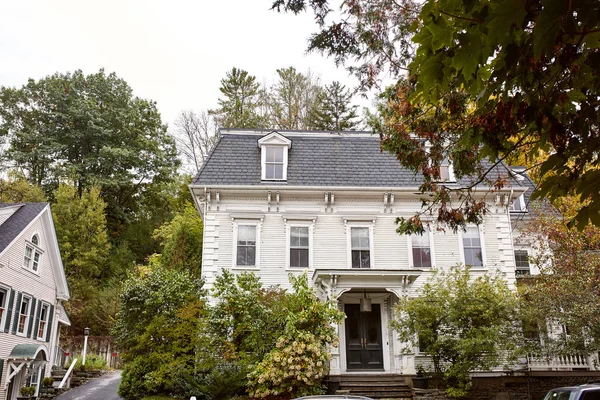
(13, 227)
(348, 159)
(18, 221)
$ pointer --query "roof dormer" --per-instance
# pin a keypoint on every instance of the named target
(274, 156)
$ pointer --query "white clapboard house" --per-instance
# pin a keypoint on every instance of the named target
(32, 289)
(281, 202)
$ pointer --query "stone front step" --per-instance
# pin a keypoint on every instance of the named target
(384, 386)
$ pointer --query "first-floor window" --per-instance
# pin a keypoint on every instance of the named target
(361, 248)
(246, 246)
(3, 304)
(44, 315)
(421, 250)
(299, 247)
(472, 247)
(522, 262)
(24, 310)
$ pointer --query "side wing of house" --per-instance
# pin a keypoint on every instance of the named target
(32, 288)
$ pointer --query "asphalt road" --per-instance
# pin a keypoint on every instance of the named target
(102, 388)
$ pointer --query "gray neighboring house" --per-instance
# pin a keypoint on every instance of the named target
(33, 288)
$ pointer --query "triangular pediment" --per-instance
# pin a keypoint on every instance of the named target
(274, 139)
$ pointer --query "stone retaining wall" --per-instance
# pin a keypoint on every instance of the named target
(532, 387)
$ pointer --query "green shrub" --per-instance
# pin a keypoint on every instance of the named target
(92, 362)
(47, 382)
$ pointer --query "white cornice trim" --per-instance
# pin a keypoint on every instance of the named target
(283, 187)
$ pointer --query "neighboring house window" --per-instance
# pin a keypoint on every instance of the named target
(24, 310)
(43, 325)
(472, 249)
(522, 262)
(421, 250)
(246, 246)
(274, 163)
(360, 247)
(31, 260)
(3, 305)
(518, 204)
(299, 247)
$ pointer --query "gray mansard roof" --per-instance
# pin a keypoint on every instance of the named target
(334, 159)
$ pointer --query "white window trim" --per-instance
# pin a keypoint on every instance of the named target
(451, 176)
(27, 319)
(288, 235)
(258, 226)
(263, 162)
(6, 300)
(411, 262)
(482, 243)
(351, 225)
(521, 200)
(34, 249)
(48, 316)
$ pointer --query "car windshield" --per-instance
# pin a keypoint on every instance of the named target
(560, 394)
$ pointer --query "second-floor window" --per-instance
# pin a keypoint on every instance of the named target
(421, 250)
(274, 163)
(522, 262)
(472, 247)
(299, 247)
(43, 325)
(24, 310)
(246, 246)
(360, 247)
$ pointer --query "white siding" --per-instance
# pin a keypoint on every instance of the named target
(41, 287)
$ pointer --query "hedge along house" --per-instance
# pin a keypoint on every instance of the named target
(32, 288)
(281, 202)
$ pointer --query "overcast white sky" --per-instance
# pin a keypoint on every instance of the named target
(175, 52)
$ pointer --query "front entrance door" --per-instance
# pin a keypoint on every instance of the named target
(364, 349)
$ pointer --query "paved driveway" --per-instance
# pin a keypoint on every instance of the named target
(102, 388)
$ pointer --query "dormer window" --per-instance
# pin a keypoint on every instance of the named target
(447, 171)
(274, 156)
(274, 163)
(518, 204)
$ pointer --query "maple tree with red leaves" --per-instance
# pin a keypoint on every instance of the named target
(499, 77)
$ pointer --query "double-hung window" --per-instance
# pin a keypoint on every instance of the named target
(472, 250)
(31, 259)
(522, 262)
(360, 247)
(246, 246)
(24, 311)
(274, 163)
(43, 324)
(299, 247)
(421, 250)
(3, 304)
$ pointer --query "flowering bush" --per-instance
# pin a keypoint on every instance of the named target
(300, 359)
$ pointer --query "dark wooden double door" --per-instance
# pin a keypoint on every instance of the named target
(364, 350)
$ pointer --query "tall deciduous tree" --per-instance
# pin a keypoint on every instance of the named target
(292, 98)
(82, 236)
(333, 110)
(565, 293)
(195, 134)
(90, 130)
(529, 69)
(239, 106)
(16, 189)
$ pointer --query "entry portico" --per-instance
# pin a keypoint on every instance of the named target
(367, 344)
